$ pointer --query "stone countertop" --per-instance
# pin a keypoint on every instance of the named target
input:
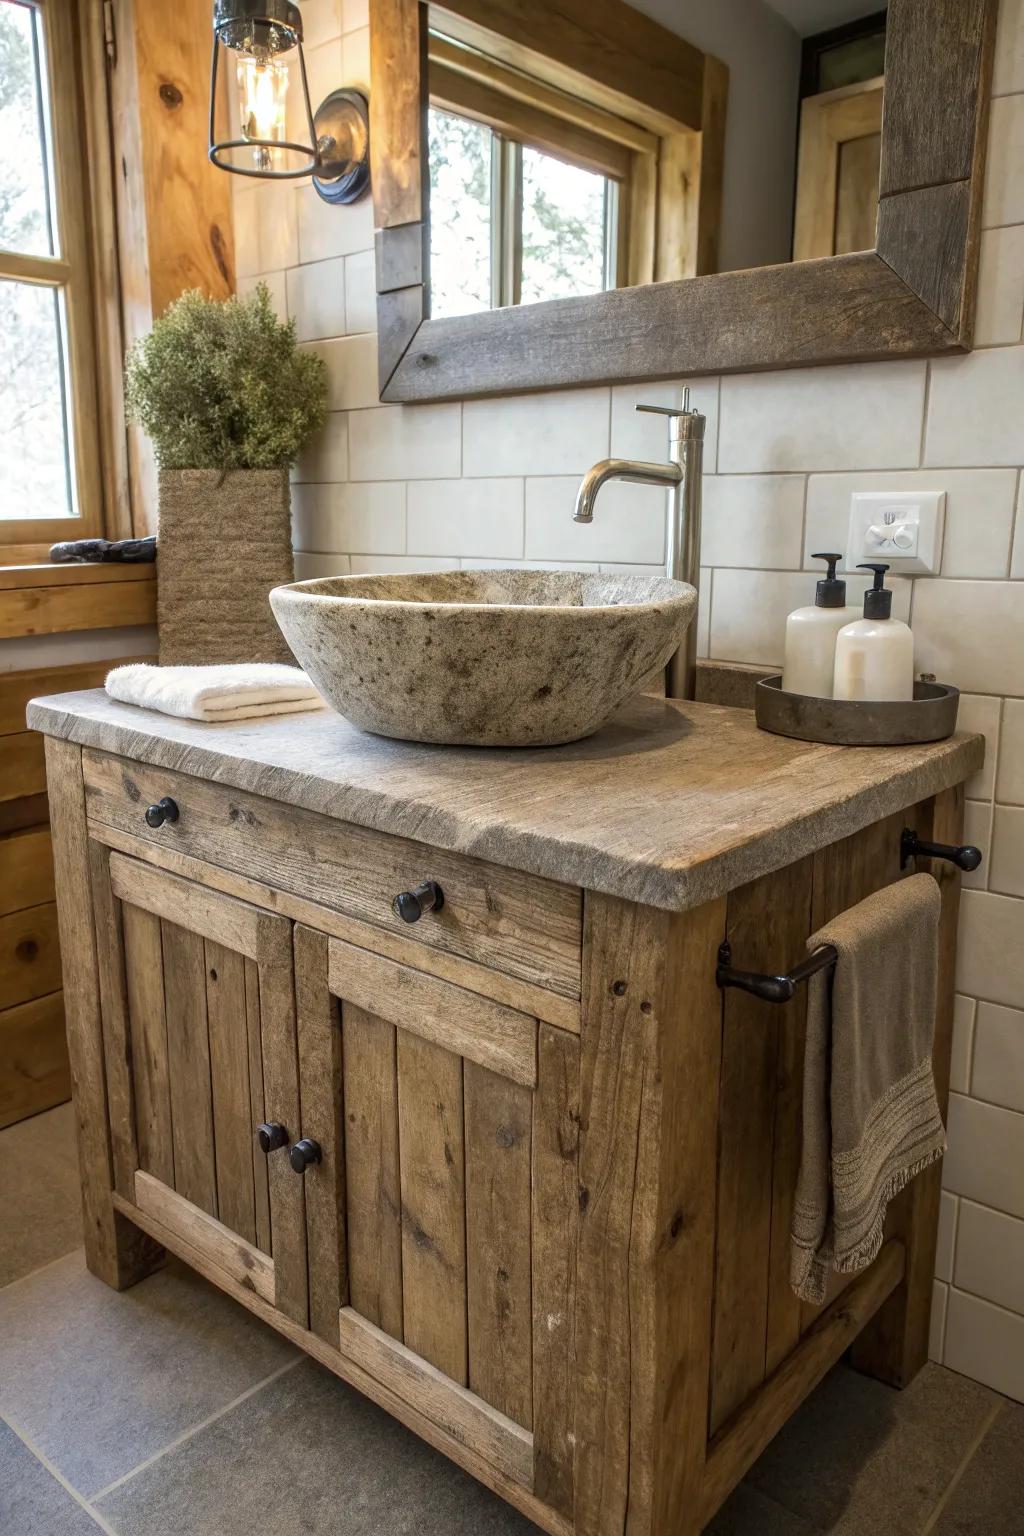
(669, 804)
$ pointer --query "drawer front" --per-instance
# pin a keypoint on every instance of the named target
(512, 922)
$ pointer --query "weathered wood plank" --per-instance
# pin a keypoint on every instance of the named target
(374, 1196)
(34, 1069)
(498, 1148)
(923, 235)
(229, 923)
(22, 766)
(398, 54)
(29, 954)
(320, 1090)
(26, 869)
(246, 1265)
(281, 1095)
(144, 970)
(463, 1022)
(229, 1079)
(52, 610)
(257, 1104)
(117, 1047)
(432, 1165)
(188, 1066)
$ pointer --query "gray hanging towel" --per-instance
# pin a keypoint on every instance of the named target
(870, 1116)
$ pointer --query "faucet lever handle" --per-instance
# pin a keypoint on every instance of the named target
(671, 410)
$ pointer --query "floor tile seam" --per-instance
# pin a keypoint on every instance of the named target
(197, 1429)
(972, 1450)
(33, 1274)
(58, 1476)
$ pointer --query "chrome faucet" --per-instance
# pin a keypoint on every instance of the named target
(682, 476)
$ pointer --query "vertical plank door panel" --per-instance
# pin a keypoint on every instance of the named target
(281, 1091)
(229, 1076)
(144, 973)
(430, 1126)
(374, 1196)
(498, 1144)
(114, 1007)
(257, 1105)
(188, 1057)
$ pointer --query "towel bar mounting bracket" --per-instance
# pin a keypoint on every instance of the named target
(965, 856)
(772, 989)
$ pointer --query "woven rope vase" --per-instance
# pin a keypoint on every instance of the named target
(224, 540)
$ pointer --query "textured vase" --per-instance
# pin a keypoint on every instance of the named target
(224, 540)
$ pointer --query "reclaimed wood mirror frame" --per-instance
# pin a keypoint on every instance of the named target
(912, 296)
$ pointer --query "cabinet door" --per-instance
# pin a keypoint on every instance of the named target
(442, 1214)
(199, 1036)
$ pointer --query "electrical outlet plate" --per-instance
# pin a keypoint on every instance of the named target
(901, 528)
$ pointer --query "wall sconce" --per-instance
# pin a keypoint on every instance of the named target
(260, 42)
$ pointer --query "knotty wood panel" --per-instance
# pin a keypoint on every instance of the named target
(257, 1102)
(29, 954)
(245, 1264)
(374, 1196)
(320, 1089)
(188, 1063)
(767, 928)
(22, 766)
(34, 1071)
(144, 973)
(229, 1080)
(53, 610)
(281, 1094)
(231, 924)
(431, 1140)
(116, 1031)
(498, 1146)
(554, 1230)
(26, 869)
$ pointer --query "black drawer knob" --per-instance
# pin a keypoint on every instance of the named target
(271, 1135)
(164, 810)
(303, 1153)
(411, 905)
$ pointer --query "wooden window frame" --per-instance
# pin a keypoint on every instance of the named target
(913, 296)
(78, 161)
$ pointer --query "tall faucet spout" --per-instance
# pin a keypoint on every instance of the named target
(634, 470)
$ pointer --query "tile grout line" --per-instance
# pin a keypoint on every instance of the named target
(960, 1473)
(33, 1273)
(58, 1477)
(195, 1429)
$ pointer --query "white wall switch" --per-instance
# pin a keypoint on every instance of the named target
(902, 528)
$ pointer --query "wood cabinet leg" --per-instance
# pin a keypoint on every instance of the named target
(894, 1345)
(115, 1250)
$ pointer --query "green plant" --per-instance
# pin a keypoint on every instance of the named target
(221, 384)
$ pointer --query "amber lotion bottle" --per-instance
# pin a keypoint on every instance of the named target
(875, 654)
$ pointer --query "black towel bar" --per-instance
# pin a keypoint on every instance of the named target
(965, 856)
(772, 989)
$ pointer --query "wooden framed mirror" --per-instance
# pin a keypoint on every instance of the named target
(516, 118)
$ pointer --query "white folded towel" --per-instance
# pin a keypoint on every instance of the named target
(242, 691)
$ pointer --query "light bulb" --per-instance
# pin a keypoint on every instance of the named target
(262, 91)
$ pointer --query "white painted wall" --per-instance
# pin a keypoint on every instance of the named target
(396, 488)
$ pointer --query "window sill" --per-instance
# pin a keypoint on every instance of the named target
(59, 599)
(44, 574)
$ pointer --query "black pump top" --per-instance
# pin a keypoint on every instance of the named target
(831, 592)
(878, 599)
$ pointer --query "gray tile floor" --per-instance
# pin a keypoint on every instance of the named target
(170, 1409)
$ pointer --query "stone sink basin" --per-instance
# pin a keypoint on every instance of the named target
(502, 658)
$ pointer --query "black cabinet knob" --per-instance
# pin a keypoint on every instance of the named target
(303, 1153)
(164, 810)
(271, 1135)
(411, 905)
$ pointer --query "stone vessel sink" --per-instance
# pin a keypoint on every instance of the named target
(502, 658)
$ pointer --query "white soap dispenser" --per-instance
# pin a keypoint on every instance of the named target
(810, 654)
(875, 654)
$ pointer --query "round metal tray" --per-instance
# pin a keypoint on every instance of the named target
(929, 716)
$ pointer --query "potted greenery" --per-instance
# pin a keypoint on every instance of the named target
(229, 400)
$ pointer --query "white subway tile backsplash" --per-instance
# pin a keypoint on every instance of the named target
(480, 518)
(325, 459)
(971, 633)
(642, 435)
(985, 1342)
(979, 514)
(985, 1157)
(354, 14)
(629, 522)
(980, 715)
(748, 613)
(415, 442)
(351, 371)
(550, 434)
(978, 830)
(856, 416)
(1000, 309)
(246, 227)
(276, 286)
(990, 949)
(360, 292)
(1004, 166)
(321, 20)
(974, 414)
(1010, 780)
(316, 299)
(1017, 556)
(356, 55)
(1006, 865)
(324, 73)
(276, 225)
(388, 565)
(937, 1321)
(947, 1235)
(309, 566)
(331, 229)
(990, 1256)
(752, 520)
(1008, 72)
(963, 1043)
(350, 519)
(998, 1074)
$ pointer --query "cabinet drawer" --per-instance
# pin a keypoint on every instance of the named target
(522, 925)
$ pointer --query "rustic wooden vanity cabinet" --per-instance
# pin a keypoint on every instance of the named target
(521, 1171)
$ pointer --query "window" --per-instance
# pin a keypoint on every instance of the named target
(49, 460)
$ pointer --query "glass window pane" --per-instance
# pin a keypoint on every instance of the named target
(563, 229)
(35, 440)
(26, 202)
(460, 215)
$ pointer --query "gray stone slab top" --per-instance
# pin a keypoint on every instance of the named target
(669, 804)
